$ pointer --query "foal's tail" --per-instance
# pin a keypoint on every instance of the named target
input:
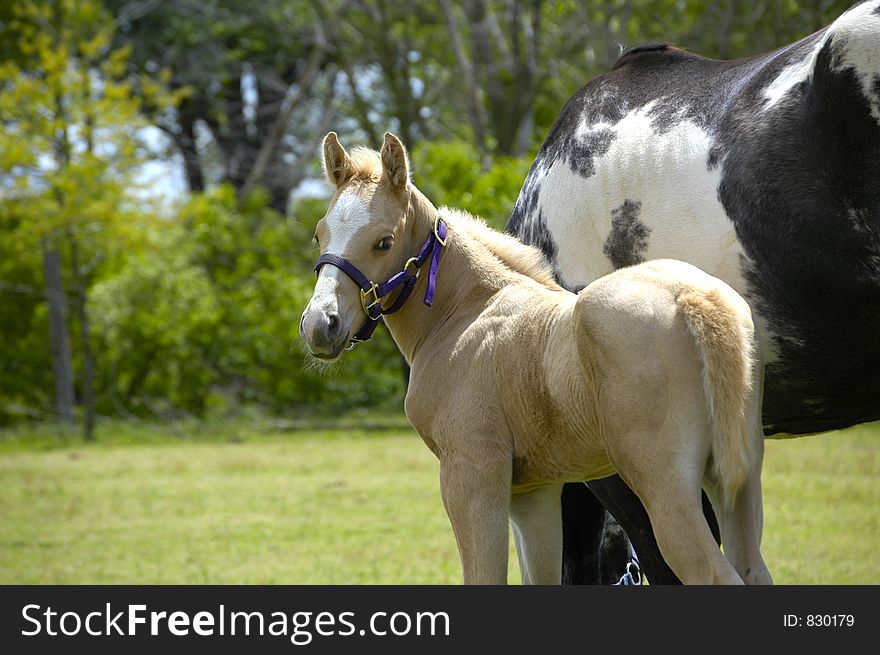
(726, 351)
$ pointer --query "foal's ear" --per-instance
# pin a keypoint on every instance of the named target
(337, 164)
(394, 161)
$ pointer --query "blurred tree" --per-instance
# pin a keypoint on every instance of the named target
(201, 321)
(504, 56)
(194, 311)
(390, 78)
(68, 148)
(250, 70)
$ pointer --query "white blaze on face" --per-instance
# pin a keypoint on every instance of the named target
(347, 217)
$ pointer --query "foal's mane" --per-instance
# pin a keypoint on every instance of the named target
(509, 251)
(366, 166)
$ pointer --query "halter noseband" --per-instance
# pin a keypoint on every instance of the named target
(372, 293)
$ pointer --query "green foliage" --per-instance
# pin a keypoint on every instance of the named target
(449, 173)
(152, 321)
(195, 304)
(25, 382)
(70, 143)
(205, 319)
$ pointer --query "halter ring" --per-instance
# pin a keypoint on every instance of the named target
(414, 261)
(442, 242)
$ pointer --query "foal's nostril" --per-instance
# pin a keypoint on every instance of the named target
(332, 324)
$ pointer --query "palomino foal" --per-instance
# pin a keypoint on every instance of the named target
(518, 385)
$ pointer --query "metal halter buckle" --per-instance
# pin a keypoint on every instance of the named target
(366, 306)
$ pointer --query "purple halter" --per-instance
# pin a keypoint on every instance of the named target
(372, 293)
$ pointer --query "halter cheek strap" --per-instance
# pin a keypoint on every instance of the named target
(405, 280)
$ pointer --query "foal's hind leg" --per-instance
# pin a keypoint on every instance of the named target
(537, 529)
(742, 525)
(684, 536)
(666, 474)
(630, 513)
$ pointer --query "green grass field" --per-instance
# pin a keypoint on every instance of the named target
(356, 501)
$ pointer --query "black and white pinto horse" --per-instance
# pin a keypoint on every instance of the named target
(764, 172)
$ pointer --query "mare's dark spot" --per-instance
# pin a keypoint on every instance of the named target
(582, 151)
(628, 238)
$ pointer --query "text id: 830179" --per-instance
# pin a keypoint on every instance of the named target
(819, 620)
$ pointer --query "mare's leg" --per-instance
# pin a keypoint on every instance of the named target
(594, 550)
(614, 551)
(476, 495)
(537, 529)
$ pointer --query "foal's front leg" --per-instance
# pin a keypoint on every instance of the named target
(537, 529)
(476, 494)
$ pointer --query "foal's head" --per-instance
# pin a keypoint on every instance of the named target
(366, 225)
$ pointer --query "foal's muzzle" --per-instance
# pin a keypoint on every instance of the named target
(323, 333)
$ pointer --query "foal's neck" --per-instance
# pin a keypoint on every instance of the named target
(462, 285)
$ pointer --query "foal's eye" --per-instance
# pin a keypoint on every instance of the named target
(315, 239)
(385, 244)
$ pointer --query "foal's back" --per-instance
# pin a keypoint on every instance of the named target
(674, 353)
(619, 358)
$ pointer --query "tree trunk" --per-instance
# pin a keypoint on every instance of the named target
(270, 146)
(88, 376)
(59, 340)
(524, 135)
(508, 77)
(186, 142)
(475, 108)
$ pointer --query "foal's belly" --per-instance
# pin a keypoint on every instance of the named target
(561, 456)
